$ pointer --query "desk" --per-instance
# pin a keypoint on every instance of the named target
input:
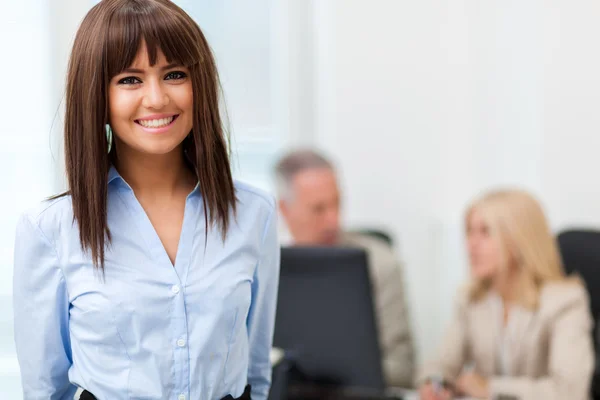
(306, 392)
(277, 357)
(414, 395)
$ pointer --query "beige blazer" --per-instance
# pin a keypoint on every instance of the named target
(551, 354)
(391, 309)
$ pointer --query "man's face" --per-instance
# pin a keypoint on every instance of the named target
(312, 211)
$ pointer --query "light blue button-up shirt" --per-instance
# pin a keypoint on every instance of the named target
(198, 330)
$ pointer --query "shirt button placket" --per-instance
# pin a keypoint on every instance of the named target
(180, 330)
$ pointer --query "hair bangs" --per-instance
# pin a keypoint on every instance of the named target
(161, 26)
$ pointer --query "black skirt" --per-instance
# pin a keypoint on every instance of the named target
(245, 396)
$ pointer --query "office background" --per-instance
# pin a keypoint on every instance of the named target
(421, 104)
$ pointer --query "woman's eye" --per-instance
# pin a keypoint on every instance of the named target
(130, 80)
(175, 75)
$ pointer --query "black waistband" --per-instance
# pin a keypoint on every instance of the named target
(245, 396)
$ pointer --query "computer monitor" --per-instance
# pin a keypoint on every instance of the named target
(325, 317)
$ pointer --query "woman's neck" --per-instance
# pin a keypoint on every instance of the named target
(506, 287)
(162, 175)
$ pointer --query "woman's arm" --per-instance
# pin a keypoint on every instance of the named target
(451, 356)
(261, 318)
(41, 314)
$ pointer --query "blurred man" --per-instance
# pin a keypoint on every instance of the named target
(309, 201)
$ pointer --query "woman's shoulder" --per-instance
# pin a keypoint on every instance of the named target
(251, 198)
(556, 297)
(48, 215)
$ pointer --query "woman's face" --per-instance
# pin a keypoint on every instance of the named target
(151, 107)
(485, 253)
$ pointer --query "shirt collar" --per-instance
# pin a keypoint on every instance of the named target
(113, 175)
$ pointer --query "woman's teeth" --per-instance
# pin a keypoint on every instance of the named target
(156, 123)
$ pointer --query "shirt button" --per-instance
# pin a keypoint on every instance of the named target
(182, 397)
(181, 342)
(175, 289)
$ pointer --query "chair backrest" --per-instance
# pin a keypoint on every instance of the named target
(580, 251)
(378, 234)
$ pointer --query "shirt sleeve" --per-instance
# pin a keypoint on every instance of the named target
(452, 354)
(261, 317)
(41, 316)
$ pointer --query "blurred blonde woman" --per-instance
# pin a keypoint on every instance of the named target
(521, 329)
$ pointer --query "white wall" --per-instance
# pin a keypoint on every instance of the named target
(63, 19)
(572, 122)
(24, 148)
(382, 117)
(394, 104)
(424, 104)
(27, 119)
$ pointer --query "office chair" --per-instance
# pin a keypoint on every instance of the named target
(378, 234)
(580, 251)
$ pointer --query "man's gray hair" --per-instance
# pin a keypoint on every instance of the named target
(292, 164)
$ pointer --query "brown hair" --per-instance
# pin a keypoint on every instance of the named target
(106, 43)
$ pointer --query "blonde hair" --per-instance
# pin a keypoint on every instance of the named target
(517, 221)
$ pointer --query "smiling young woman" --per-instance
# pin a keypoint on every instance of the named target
(155, 275)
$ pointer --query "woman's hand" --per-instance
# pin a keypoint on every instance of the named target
(473, 385)
(429, 392)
